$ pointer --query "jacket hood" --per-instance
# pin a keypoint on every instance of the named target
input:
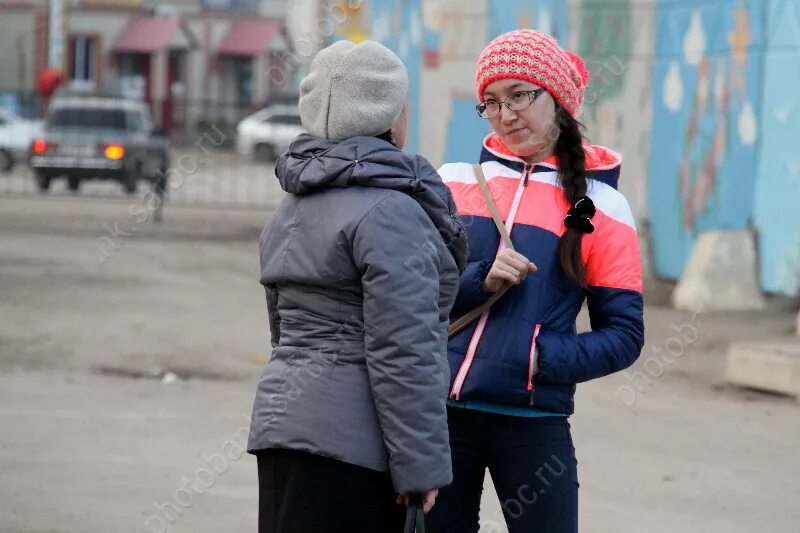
(312, 165)
(602, 164)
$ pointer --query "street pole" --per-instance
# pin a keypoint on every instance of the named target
(55, 41)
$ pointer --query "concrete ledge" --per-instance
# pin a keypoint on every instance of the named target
(772, 366)
(721, 274)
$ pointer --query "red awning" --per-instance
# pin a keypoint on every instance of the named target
(144, 35)
(249, 38)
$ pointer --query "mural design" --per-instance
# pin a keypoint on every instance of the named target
(456, 34)
(777, 193)
(354, 25)
(550, 16)
(398, 25)
(465, 131)
(617, 108)
(605, 44)
(703, 153)
(676, 87)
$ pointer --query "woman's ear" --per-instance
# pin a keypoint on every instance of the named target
(399, 131)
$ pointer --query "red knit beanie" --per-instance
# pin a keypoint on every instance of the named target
(534, 56)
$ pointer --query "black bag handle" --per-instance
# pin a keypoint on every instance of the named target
(415, 515)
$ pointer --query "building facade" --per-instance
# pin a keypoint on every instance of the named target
(185, 58)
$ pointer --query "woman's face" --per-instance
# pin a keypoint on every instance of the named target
(530, 133)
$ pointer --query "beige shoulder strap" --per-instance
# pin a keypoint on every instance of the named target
(462, 322)
(487, 194)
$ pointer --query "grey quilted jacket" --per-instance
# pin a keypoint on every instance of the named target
(361, 266)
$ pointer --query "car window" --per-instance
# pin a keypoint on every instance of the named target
(146, 120)
(87, 117)
(134, 121)
(286, 120)
(2, 121)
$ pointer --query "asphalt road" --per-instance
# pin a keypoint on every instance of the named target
(127, 372)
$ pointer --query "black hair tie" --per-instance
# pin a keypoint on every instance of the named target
(579, 217)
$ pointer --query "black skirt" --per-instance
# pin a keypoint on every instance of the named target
(301, 492)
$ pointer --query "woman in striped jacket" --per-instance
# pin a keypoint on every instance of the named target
(514, 370)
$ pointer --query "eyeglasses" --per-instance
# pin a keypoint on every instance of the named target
(516, 102)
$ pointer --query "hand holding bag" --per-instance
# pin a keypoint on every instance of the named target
(415, 515)
(462, 322)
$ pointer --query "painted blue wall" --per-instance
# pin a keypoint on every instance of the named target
(465, 132)
(777, 198)
(702, 157)
(723, 148)
(398, 25)
(549, 15)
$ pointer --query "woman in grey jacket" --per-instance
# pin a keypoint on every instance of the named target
(361, 265)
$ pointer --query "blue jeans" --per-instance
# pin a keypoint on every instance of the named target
(533, 466)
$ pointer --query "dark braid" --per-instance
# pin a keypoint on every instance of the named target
(572, 174)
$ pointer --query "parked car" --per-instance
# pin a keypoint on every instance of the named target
(99, 138)
(16, 135)
(268, 132)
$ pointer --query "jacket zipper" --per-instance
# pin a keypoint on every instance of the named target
(532, 363)
(461, 376)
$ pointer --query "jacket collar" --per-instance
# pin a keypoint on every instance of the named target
(312, 165)
(602, 164)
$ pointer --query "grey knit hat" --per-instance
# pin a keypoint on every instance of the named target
(353, 89)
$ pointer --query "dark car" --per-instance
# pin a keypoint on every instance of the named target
(99, 138)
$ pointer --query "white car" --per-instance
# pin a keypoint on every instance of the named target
(16, 136)
(267, 133)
